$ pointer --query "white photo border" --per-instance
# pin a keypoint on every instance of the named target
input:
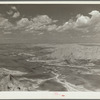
(56, 94)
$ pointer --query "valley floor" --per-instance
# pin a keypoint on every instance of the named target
(70, 67)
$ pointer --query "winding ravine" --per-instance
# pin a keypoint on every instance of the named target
(67, 85)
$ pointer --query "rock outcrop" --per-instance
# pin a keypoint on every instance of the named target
(9, 83)
(12, 72)
(73, 52)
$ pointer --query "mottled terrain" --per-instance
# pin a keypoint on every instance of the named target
(44, 67)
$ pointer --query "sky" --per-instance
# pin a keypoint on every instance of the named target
(50, 23)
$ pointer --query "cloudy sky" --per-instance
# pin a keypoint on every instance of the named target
(50, 23)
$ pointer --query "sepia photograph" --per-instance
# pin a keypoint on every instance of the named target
(50, 47)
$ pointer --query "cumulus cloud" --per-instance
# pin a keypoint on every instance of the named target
(44, 19)
(66, 26)
(94, 13)
(84, 23)
(23, 22)
(39, 24)
(16, 15)
(13, 8)
(13, 12)
(4, 23)
(10, 12)
(42, 22)
(51, 27)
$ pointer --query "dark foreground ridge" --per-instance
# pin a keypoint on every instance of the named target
(9, 83)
